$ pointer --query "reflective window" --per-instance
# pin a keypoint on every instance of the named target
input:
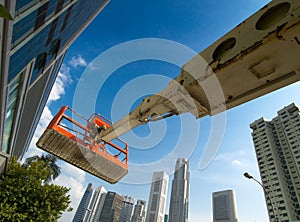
(54, 48)
(41, 16)
(66, 18)
(23, 28)
(13, 93)
(39, 66)
(51, 32)
(23, 5)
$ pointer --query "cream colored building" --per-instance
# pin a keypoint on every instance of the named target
(158, 197)
(277, 146)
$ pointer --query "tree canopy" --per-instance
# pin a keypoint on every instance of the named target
(50, 161)
(4, 13)
(26, 196)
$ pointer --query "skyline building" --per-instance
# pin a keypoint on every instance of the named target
(166, 218)
(33, 47)
(127, 209)
(96, 204)
(139, 213)
(83, 205)
(224, 206)
(158, 197)
(179, 202)
(277, 147)
(112, 207)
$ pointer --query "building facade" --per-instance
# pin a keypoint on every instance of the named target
(91, 204)
(112, 207)
(166, 218)
(179, 203)
(127, 209)
(95, 206)
(224, 206)
(139, 213)
(33, 47)
(158, 197)
(277, 146)
(83, 205)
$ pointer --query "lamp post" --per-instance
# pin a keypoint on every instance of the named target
(249, 176)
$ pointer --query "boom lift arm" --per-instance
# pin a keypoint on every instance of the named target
(257, 57)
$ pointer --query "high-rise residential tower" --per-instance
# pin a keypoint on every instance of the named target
(277, 146)
(158, 197)
(33, 47)
(127, 209)
(224, 207)
(139, 213)
(83, 205)
(179, 203)
(112, 207)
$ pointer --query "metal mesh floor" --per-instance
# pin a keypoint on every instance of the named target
(81, 157)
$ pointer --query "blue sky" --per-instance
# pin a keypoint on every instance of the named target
(194, 24)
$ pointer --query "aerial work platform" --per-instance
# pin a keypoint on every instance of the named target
(76, 140)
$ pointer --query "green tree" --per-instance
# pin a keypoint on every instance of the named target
(24, 195)
(4, 13)
(50, 161)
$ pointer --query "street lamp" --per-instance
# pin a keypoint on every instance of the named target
(249, 176)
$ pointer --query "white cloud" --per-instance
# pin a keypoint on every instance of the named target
(63, 78)
(231, 156)
(44, 121)
(75, 193)
(94, 66)
(77, 61)
(72, 170)
(239, 159)
(237, 163)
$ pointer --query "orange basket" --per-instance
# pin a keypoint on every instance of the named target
(73, 140)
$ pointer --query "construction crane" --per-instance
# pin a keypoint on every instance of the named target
(258, 56)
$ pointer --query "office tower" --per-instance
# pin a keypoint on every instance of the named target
(158, 197)
(111, 208)
(83, 205)
(224, 207)
(96, 204)
(33, 47)
(179, 203)
(166, 218)
(139, 213)
(127, 209)
(277, 146)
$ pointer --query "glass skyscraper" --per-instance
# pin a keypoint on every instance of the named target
(179, 203)
(112, 207)
(139, 213)
(33, 47)
(83, 205)
(158, 197)
(127, 209)
(92, 213)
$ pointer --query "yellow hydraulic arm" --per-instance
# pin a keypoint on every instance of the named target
(258, 56)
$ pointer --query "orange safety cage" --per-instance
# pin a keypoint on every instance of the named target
(75, 141)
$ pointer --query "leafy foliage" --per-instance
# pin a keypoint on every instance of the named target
(24, 195)
(50, 160)
(4, 13)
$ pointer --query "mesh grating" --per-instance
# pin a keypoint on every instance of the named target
(79, 156)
